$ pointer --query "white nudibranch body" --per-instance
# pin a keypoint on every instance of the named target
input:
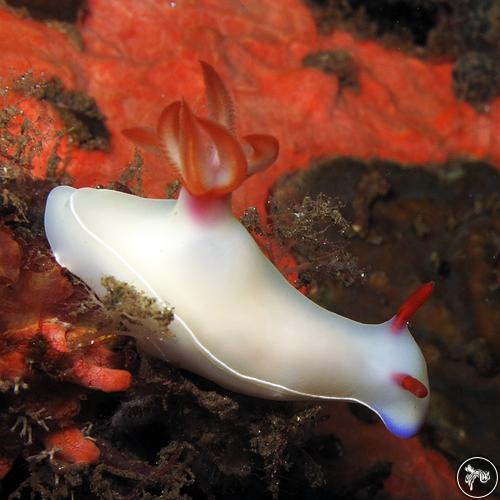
(237, 321)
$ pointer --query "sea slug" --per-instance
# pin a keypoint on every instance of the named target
(237, 320)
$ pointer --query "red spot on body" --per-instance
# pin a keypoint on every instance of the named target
(204, 210)
(410, 384)
(411, 305)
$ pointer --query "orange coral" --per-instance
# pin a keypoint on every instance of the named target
(90, 367)
(33, 346)
(72, 446)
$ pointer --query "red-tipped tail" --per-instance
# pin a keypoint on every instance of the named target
(411, 306)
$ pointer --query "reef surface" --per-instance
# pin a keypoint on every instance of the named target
(407, 141)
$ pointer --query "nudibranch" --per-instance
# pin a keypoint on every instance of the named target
(237, 320)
